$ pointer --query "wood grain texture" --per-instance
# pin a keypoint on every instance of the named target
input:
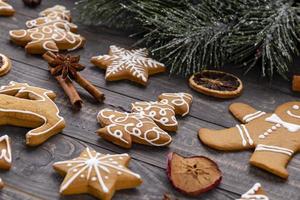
(32, 176)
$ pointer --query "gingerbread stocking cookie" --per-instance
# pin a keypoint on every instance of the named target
(163, 114)
(27, 106)
(6, 9)
(180, 101)
(274, 136)
(124, 128)
(255, 193)
(133, 65)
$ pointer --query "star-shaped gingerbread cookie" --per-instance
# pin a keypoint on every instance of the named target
(134, 65)
(255, 193)
(97, 174)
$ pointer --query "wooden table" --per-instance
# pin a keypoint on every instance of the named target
(32, 176)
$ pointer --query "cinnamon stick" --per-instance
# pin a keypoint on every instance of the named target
(70, 91)
(66, 84)
(88, 86)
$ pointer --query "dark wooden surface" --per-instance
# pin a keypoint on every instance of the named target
(32, 176)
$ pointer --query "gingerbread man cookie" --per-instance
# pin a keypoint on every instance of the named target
(133, 65)
(124, 128)
(5, 64)
(274, 136)
(180, 101)
(97, 174)
(6, 9)
(27, 106)
(163, 114)
(58, 15)
(255, 193)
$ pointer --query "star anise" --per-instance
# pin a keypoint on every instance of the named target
(66, 65)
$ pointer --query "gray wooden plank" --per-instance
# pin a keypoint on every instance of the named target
(32, 172)
(238, 175)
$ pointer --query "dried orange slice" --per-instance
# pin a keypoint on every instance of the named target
(216, 83)
(5, 64)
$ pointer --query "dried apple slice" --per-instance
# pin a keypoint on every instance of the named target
(193, 175)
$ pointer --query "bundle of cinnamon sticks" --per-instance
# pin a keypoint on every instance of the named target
(65, 69)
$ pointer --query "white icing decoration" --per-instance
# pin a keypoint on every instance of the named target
(253, 116)
(295, 107)
(163, 109)
(293, 115)
(136, 61)
(178, 99)
(133, 128)
(241, 132)
(277, 120)
(5, 152)
(251, 194)
(42, 98)
(4, 5)
(98, 165)
(262, 147)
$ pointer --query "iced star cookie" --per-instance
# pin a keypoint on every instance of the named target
(97, 174)
(6, 9)
(163, 114)
(5, 156)
(123, 129)
(180, 101)
(5, 64)
(58, 15)
(134, 65)
(33, 107)
(274, 136)
(45, 38)
(255, 193)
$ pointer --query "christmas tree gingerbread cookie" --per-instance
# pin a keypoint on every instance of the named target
(57, 15)
(255, 193)
(6, 9)
(33, 107)
(97, 174)
(123, 129)
(134, 65)
(274, 136)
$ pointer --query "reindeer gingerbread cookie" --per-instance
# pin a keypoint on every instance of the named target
(274, 136)
(27, 106)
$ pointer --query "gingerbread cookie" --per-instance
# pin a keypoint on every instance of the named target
(163, 114)
(5, 156)
(6, 9)
(58, 15)
(124, 128)
(5, 64)
(274, 136)
(133, 65)
(180, 101)
(27, 106)
(255, 193)
(48, 37)
(97, 174)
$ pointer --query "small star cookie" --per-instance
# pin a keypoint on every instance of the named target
(5, 64)
(123, 128)
(133, 65)
(97, 174)
(255, 193)
(6, 9)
